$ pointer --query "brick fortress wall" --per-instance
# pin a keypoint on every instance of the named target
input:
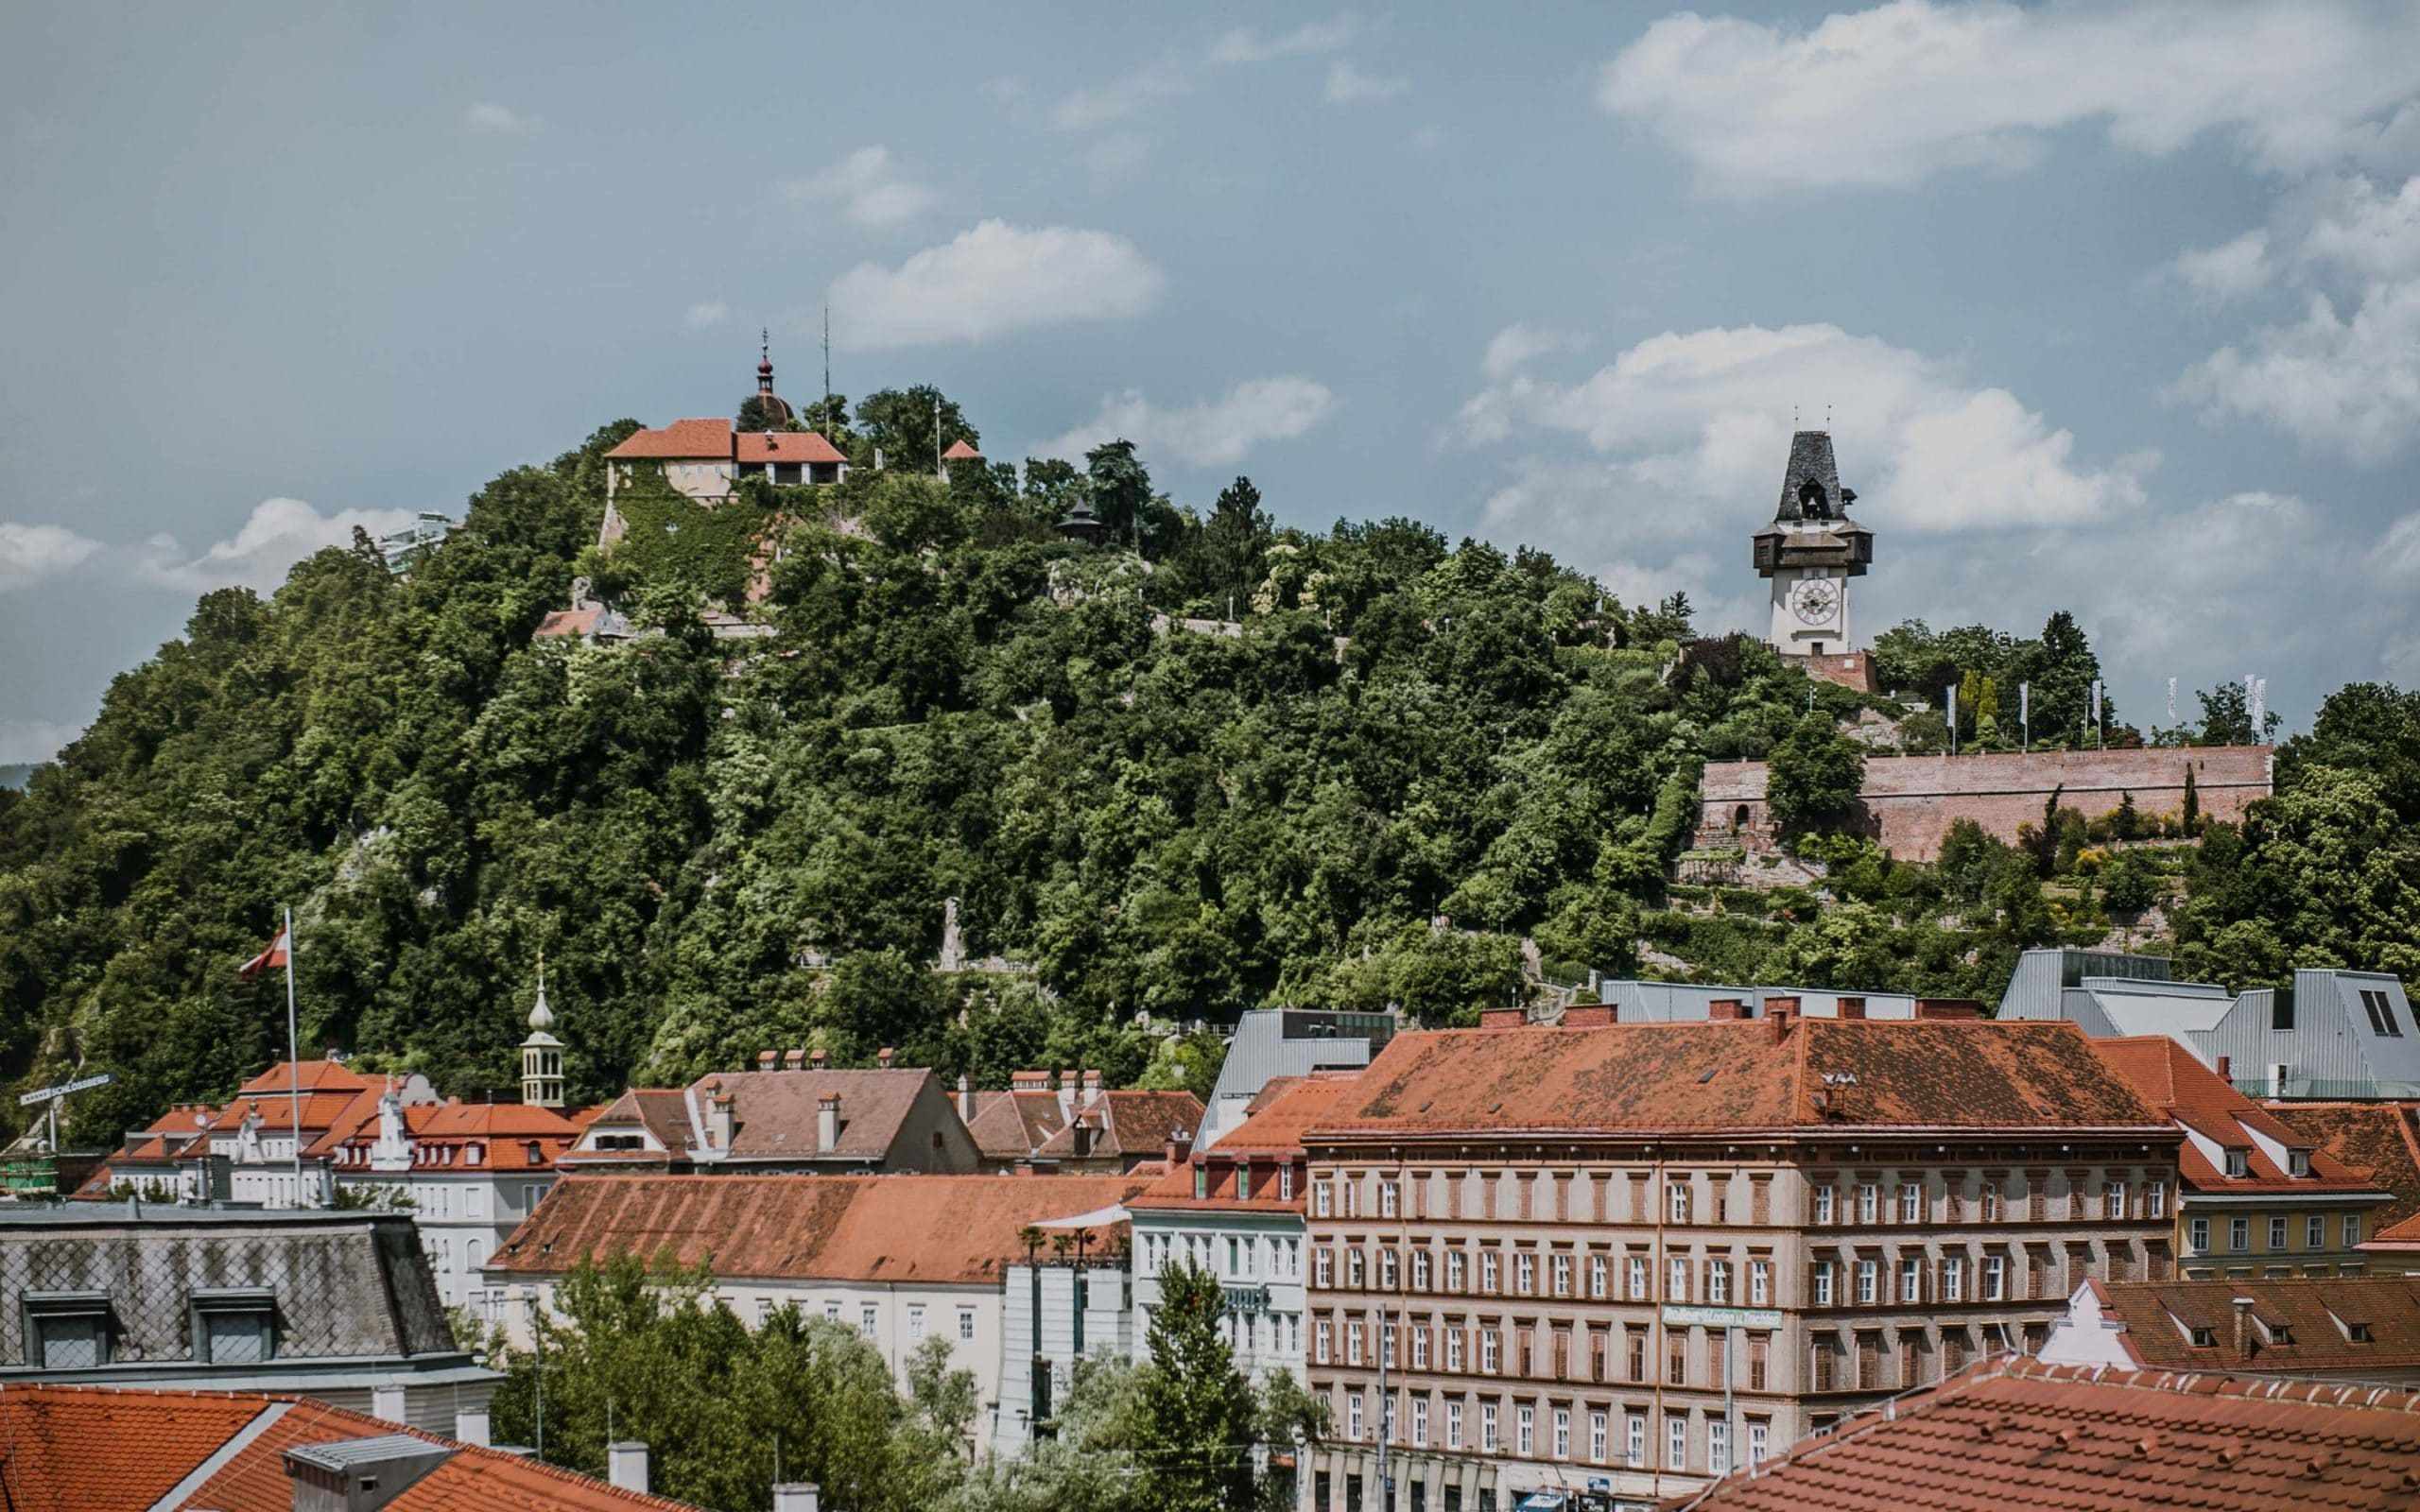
(1911, 801)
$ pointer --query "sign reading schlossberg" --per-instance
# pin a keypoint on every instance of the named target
(1683, 1314)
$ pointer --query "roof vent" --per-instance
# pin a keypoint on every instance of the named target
(360, 1474)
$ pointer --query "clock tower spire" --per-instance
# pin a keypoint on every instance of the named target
(1811, 551)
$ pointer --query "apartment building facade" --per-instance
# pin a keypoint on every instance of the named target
(1611, 1261)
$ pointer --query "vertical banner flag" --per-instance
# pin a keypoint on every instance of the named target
(2259, 707)
(1953, 717)
(2171, 700)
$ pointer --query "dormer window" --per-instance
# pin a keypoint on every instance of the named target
(2206, 1338)
(537, 1156)
(2358, 1333)
(2298, 1163)
(1201, 1181)
(2238, 1162)
(235, 1326)
(475, 1154)
(2278, 1332)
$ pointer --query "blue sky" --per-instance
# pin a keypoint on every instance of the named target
(2115, 307)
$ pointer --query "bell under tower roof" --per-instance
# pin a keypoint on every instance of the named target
(1812, 528)
(1811, 463)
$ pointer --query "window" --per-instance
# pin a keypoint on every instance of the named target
(1324, 1267)
(1456, 1270)
(966, 1325)
(1869, 1203)
(1386, 1334)
(1490, 1344)
(2276, 1231)
(915, 1322)
(1718, 1448)
(2155, 1199)
(2239, 1235)
(1563, 1433)
(1420, 1270)
(2381, 1009)
(1638, 1354)
(1320, 1341)
(1525, 1429)
(1676, 1357)
(1676, 1280)
(1759, 1436)
(1597, 1441)
(2112, 1200)
(1563, 1274)
(1453, 1425)
(2197, 1235)
(1454, 1349)
(1868, 1282)
(1488, 1436)
(1994, 1278)
(1676, 1442)
(1912, 1278)
(831, 1311)
(2238, 1162)
(1991, 1203)
(1760, 1284)
(1387, 1269)
(2352, 1231)
(1323, 1202)
(71, 1330)
(1353, 1343)
(1596, 1274)
(1352, 1197)
(1352, 1415)
(1953, 1279)
(1420, 1348)
(866, 1319)
(1638, 1278)
(1819, 1274)
(1677, 1202)
(1912, 1202)
(1285, 1183)
(1760, 1352)
(1420, 1420)
(1524, 1273)
(1634, 1435)
(1823, 1204)
(1717, 1282)
(1234, 1256)
(2298, 1163)
(2315, 1232)
(1388, 1199)
(1487, 1277)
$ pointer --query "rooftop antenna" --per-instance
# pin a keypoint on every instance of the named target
(1827, 415)
(827, 356)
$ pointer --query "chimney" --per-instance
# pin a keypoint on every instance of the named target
(798, 1496)
(2243, 1340)
(794, 1059)
(1784, 1004)
(1959, 1009)
(1503, 1018)
(1724, 1010)
(1852, 1007)
(471, 1426)
(816, 1059)
(768, 1059)
(386, 1402)
(1083, 1137)
(827, 1123)
(2226, 1065)
(717, 1117)
(1030, 1081)
(1092, 1088)
(1588, 1015)
(1180, 1147)
(626, 1465)
(1066, 1097)
(1780, 1013)
(882, 1057)
(965, 1099)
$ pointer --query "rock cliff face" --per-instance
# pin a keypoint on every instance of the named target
(1911, 801)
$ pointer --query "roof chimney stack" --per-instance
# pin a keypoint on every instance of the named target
(794, 1059)
(1066, 1097)
(1588, 1015)
(1503, 1018)
(827, 1123)
(816, 1059)
(798, 1496)
(1725, 1010)
(1852, 1007)
(718, 1121)
(768, 1059)
(626, 1465)
(882, 1057)
(2226, 1065)
(1780, 1013)
(1180, 1147)
(965, 1098)
(2243, 1340)
(1958, 1009)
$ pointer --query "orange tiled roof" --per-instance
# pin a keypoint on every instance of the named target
(2012, 1435)
(1270, 1135)
(2172, 1080)
(1010, 1125)
(315, 1075)
(2382, 1140)
(934, 1230)
(84, 1450)
(1809, 1074)
(2315, 1315)
(504, 1130)
(1127, 1122)
(784, 446)
(683, 440)
(959, 451)
(320, 1110)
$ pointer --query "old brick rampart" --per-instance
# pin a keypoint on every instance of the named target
(1911, 801)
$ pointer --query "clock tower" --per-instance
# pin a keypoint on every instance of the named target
(1811, 552)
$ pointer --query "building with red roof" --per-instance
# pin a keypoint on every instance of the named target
(2011, 1435)
(2364, 1327)
(1642, 1255)
(2259, 1197)
(85, 1449)
(791, 1114)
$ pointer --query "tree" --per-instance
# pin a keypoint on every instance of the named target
(2366, 727)
(901, 424)
(1199, 1421)
(2226, 718)
(1120, 486)
(1814, 776)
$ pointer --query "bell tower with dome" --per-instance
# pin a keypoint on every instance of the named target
(1809, 554)
(542, 1054)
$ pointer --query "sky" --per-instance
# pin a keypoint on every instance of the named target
(2111, 307)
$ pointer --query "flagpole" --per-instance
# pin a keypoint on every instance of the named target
(293, 1058)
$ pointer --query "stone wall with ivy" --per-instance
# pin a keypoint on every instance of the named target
(672, 538)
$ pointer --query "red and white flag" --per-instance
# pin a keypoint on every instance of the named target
(267, 960)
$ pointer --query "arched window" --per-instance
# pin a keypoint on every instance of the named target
(1740, 817)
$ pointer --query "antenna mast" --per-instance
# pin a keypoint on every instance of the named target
(827, 358)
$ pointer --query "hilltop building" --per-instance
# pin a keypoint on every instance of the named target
(2332, 1035)
(1809, 555)
(1638, 1256)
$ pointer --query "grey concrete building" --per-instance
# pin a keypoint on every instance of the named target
(1273, 1042)
(340, 1306)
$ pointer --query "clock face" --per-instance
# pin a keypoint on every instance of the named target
(1815, 600)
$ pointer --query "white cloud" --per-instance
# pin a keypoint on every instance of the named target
(1701, 420)
(993, 280)
(1247, 46)
(278, 534)
(30, 554)
(2365, 234)
(1114, 156)
(1519, 344)
(2231, 270)
(1218, 433)
(34, 740)
(1892, 94)
(490, 119)
(1119, 99)
(1348, 85)
(706, 314)
(867, 186)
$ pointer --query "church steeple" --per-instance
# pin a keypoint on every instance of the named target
(764, 410)
(542, 1054)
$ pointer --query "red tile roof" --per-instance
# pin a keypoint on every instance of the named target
(2172, 1079)
(1127, 1124)
(934, 1230)
(2009, 1434)
(683, 440)
(959, 451)
(2379, 1139)
(1011, 1125)
(2161, 1318)
(774, 1112)
(315, 1075)
(501, 1131)
(1272, 1134)
(1809, 1074)
(784, 446)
